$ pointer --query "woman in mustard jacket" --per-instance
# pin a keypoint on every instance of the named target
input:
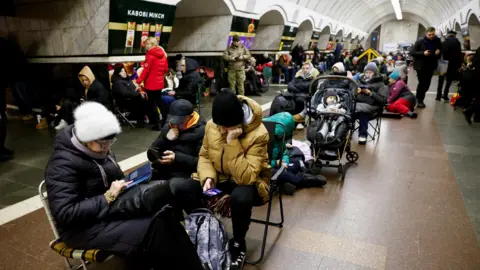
(233, 159)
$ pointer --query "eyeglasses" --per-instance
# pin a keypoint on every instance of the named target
(105, 144)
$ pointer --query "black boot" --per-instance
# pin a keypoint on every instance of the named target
(412, 115)
(310, 180)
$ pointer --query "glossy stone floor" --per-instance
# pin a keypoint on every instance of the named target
(401, 207)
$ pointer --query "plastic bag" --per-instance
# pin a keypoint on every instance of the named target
(441, 68)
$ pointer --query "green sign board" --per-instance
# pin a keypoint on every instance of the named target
(133, 21)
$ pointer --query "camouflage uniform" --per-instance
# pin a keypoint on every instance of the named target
(236, 67)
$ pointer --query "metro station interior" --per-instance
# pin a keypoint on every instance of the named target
(410, 201)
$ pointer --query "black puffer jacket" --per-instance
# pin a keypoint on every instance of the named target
(299, 85)
(123, 88)
(188, 85)
(376, 101)
(99, 94)
(186, 148)
(76, 188)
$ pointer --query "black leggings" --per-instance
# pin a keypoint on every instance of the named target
(154, 101)
(188, 194)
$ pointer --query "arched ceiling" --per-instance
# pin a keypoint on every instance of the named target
(364, 14)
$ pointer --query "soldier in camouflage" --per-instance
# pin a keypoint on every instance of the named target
(236, 55)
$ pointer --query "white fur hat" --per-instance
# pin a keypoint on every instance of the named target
(340, 67)
(93, 122)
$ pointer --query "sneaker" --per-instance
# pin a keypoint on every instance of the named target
(298, 118)
(288, 189)
(300, 127)
(412, 115)
(63, 124)
(421, 105)
(311, 180)
(238, 251)
(362, 140)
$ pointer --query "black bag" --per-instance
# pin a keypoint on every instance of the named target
(285, 102)
(139, 201)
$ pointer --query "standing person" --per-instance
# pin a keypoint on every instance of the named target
(426, 52)
(452, 52)
(236, 55)
(338, 51)
(153, 73)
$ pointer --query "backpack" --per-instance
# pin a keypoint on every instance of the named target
(285, 102)
(210, 239)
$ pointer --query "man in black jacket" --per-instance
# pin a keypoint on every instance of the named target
(426, 52)
(188, 85)
(175, 152)
(452, 52)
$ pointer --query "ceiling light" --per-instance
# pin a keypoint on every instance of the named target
(397, 8)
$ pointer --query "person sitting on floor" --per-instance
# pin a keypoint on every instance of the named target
(175, 152)
(94, 90)
(127, 95)
(371, 97)
(401, 99)
(233, 159)
(83, 182)
(189, 82)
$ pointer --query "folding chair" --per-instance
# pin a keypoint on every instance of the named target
(267, 76)
(85, 256)
(270, 126)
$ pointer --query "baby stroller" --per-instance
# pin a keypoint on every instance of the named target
(331, 122)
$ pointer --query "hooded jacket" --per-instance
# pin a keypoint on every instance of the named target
(231, 53)
(154, 69)
(245, 160)
(96, 91)
(301, 84)
(186, 148)
(400, 89)
(75, 187)
(188, 85)
(372, 103)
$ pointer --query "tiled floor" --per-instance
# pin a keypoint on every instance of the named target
(401, 207)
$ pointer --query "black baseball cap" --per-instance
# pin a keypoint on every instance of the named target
(178, 110)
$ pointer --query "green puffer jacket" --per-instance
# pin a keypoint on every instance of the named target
(286, 119)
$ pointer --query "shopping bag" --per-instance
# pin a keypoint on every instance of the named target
(442, 67)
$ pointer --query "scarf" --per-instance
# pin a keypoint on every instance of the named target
(310, 71)
(193, 121)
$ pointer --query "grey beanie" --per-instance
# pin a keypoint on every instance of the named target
(371, 66)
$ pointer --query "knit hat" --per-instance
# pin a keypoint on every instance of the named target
(340, 67)
(94, 122)
(395, 74)
(371, 66)
(227, 109)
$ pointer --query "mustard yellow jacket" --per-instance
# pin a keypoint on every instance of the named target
(244, 160)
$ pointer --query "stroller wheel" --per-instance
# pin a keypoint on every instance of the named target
(352, 156)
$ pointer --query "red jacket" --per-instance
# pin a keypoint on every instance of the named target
(155, 67)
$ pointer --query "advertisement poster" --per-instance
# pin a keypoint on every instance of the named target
(314, 41)
(466, 39)
(245, 28)
(289, 33)
(133, 21)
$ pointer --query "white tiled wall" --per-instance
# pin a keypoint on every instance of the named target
(60, 27)
(268, 37)
(200, 34)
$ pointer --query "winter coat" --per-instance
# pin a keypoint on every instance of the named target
(186, 148)
(285, 119)
(232, 53)
(371, 104)
(452, 52)
(154, 69)
(123, 88)
(96, 91)
(400, 90)
(188, 85)
(301, 85)
(76, 188)
(424, 63)
(245, 160)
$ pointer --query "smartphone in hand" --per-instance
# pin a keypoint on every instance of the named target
(212, 192)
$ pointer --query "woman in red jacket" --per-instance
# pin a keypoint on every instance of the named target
(154, 69)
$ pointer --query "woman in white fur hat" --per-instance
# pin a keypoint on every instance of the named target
(83, 180)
